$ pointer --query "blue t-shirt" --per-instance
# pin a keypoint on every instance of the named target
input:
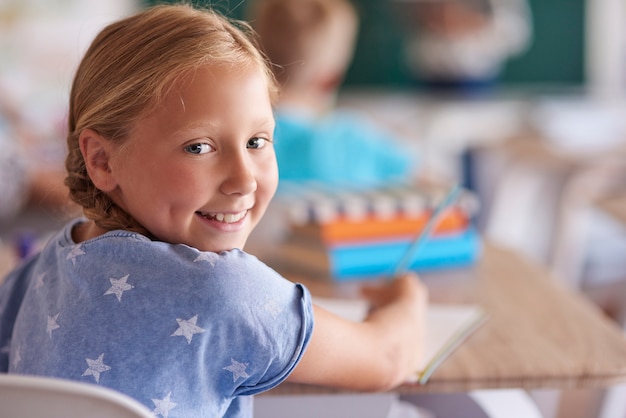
(338, 149)
(185, 332)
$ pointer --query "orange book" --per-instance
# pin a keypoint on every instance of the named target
(372, 228)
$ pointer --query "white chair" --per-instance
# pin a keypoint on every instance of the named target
(34, 397)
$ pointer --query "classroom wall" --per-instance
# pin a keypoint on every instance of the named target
(556, 55)
(555, 58)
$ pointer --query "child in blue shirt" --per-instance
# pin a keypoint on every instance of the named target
(310, 44)
(170, 155)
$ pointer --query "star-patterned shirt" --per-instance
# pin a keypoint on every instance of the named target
(187, 333)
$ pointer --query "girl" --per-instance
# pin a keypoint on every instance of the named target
(171, 157)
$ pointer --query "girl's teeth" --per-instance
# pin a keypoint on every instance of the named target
(228, 217)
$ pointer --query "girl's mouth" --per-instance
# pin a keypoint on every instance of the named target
(227, 218)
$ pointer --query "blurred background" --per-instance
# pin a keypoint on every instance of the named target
(536, 127)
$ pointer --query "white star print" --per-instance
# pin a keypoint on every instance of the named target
(118, 287)
(52, 324)
(272, 307)
(209, 257)
(76, 251)
(187, 328)
(39, 281)
(96, 367)
(238, 369)
(163, 406)
(16, 360)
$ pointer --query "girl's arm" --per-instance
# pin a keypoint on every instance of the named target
(376, 354)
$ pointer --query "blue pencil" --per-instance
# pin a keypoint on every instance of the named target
(423, 235)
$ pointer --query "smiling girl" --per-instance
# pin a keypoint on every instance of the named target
(171, 157)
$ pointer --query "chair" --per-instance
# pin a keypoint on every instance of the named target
(34, 397)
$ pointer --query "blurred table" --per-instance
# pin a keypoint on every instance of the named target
(539, 334)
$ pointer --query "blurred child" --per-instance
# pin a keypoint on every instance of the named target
(310, 44)
(170, 154)
(39, 48)
(25, 181)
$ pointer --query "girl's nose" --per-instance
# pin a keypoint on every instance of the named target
(239, 176)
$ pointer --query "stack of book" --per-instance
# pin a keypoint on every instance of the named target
(349, 234)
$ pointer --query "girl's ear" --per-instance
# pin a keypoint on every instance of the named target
(96, 152)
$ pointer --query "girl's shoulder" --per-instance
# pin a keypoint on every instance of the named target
(125, 248)
(124, 244)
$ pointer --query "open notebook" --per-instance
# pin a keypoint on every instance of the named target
(447, 326)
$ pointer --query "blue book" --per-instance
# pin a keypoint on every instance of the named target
(371, 259)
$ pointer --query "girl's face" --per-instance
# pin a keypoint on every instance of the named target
(201, 170)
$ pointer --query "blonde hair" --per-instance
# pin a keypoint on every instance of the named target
(304, 38)
(126, 72)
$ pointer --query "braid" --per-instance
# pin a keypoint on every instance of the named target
(109, 216)
(97, 205)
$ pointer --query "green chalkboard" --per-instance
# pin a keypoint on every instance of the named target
(555, 57)
(557, 53)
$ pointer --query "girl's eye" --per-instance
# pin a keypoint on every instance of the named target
(257, 142)
(199, 148)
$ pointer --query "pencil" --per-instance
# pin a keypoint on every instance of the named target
(424, 234)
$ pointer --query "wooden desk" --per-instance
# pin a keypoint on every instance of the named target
(539, 334)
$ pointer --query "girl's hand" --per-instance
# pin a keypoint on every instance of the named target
(377, 354)
(406, 287)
